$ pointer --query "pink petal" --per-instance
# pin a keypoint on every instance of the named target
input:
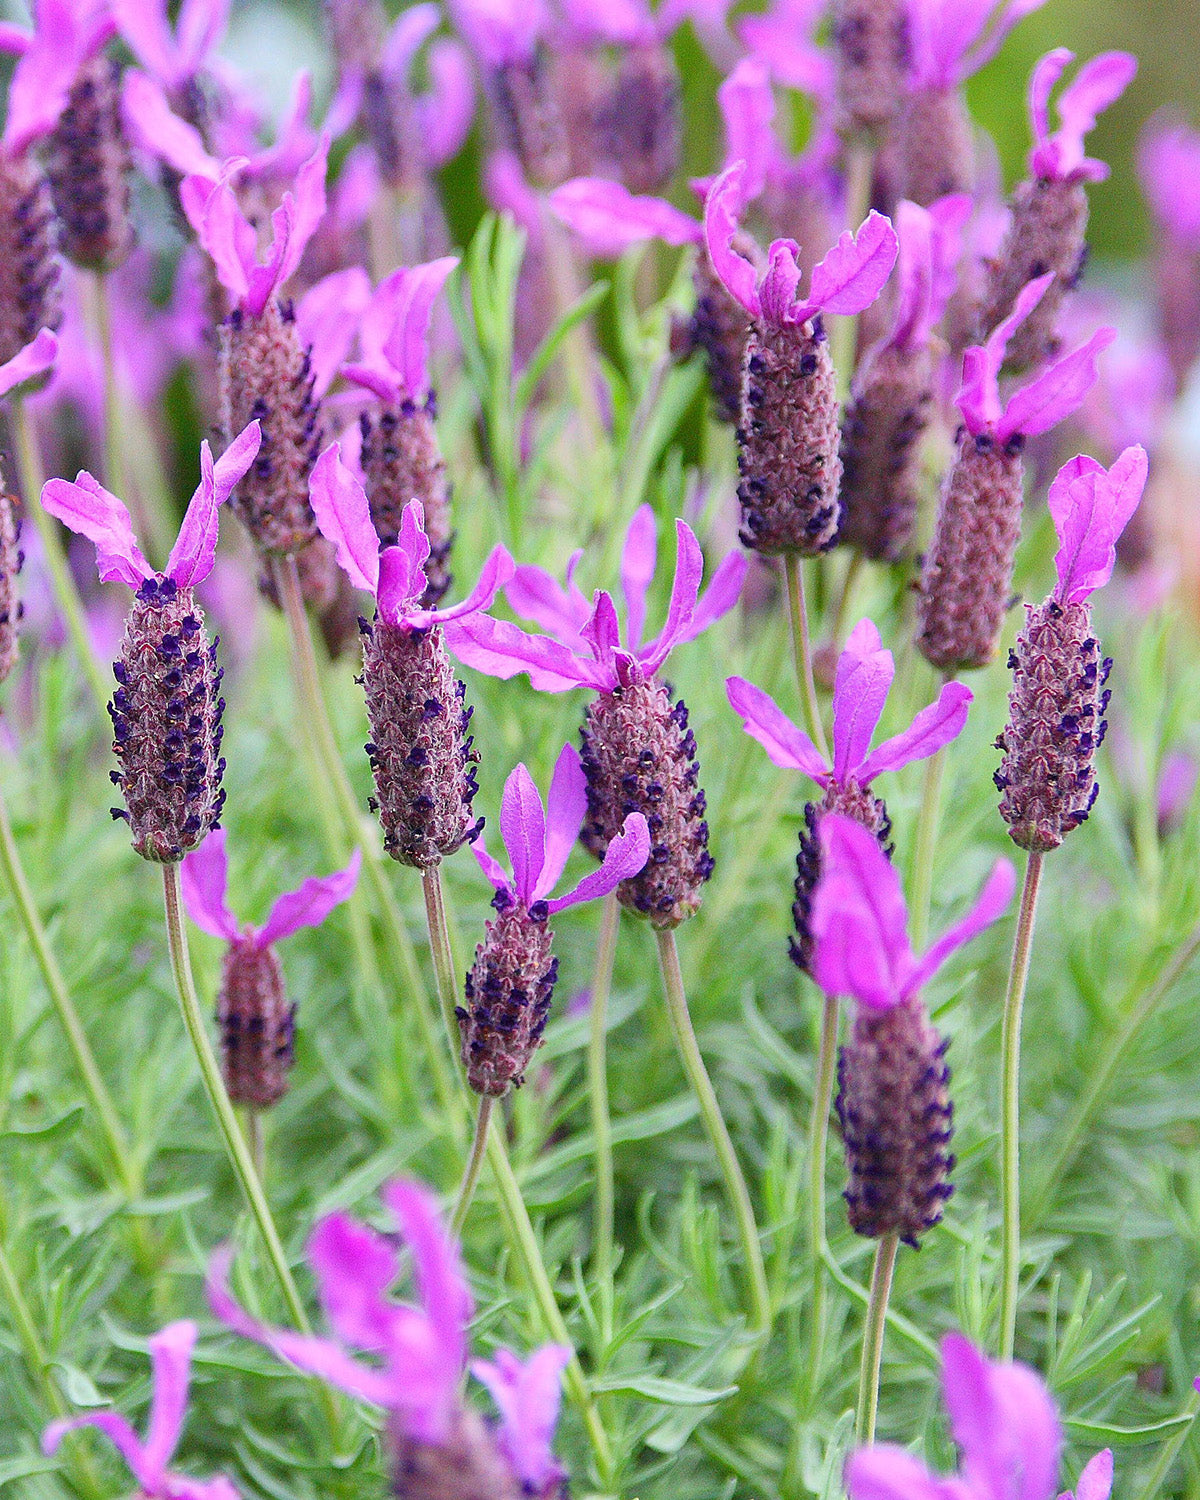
(414, 291)
(777, 291)
(171, 1359)
(444, 116)
(625, 856)
(195, 549)
(979, 396)
(723, 592)
(311, 903)
(914, 230)
(183, 1488)
(292, 226)
(343, 513)
(327, 318)
(785, 743)
(602, 632)
(31, 361)
(723, 206)
(115, 1428)
(523, 829)
(199, 30)
(1004, 1422)
(437, 1264)
(143, 25)
(949, 218)
(536, 595)
(566, 807)
(747, 105)
(861, 684)
(932, 728)
(88, 508)
(637, 571)
(400, 586)
(855, 271)
(154, 128)
(859, 919)
(44, 75)
(497, 570)
(1009, 16)
(502, 650)
(409, 33)
(355, 1268)
(528, 1394)
(1095, 1483)
(689, 569)
(993, 901)
(608, 218)
(888, 1472)
(1056, 392)
(1169, 170)
(491, 867)
(1099, 83)
(1090, 509)
(1046, 73)
(225, 234)
(203, 877)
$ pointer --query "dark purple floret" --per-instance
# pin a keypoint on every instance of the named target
(508, 993)
(257, 1024)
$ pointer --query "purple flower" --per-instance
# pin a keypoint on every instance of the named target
(204, 875)
(948, 41)
(1047, 399)
(1090, 507)
(1008, 1433)
(1169, 169)
(232, 241)
(66, 35)
(395, 577)
(1058, 155)
(864, 675)
(782, 39)
(395, 332)
(86, 507)
(172, 54)
(931, 242)
(28, 363)
(586, 649)
(171, 1360)
(539, 843)
(860, 922)
(501, 32)
(847, 279)
(527, 1395)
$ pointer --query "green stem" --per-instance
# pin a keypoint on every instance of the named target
(256, 1140)
(474, 1162)
(235, 1144)
(597, 1061)
(1010, 1104)
(443, 955)
(873, 1331)
(818, 1135)
(1170, 1450)
(802, 650)
(928, 820)
(524, 1244)
(577, 345)
(845, 598)
(718, 1133)
(859, 166)
(66, 595)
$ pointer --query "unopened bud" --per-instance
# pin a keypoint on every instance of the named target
(638, 125)
(719, 326)
(28, 270)
(936, 149)
(871, 52)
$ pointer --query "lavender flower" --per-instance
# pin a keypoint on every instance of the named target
(864, 676)
(870, 47)
(171, 1360)
(166, 711)
(893, 1104)
(258, 1025)
(173, 54)
(511, 984)
(1169, 169)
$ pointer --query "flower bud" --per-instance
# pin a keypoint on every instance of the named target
(719, 326)
(258, 1025)
(871, 48)
(402, 461)
(529, 120)
(88, 165)
(508, 994)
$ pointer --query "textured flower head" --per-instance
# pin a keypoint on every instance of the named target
(395, 332)
(864, 675)
(173, 54)
(204, 877)
(395, 576)
(951, 39)
(171, 1361)
(1047, 399)
(232, 241)
(1169, 170)
(1007, 1430)
(66, 35)
(860, 920)
(584, 648)
(1090, 507)
(540, 842)
(847, 279)
(88, 508)
(1058, 155)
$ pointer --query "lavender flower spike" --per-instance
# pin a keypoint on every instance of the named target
(1169, 173)
(166, 711)
(438, 1445)
(1008, 1433)
(258, 1024)
(171, 1359)
(511, 983)
(893, 1101)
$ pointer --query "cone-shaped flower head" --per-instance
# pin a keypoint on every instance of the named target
(171, 1362)
(1056, 722)
(1007, 1431)
(511, 984)
(788, 435)
(967, 577)
(893, 1101)
(166, 711)
(871, 51)
(420, 1351)
(28, 364)
(258, 1023)
(421, 752)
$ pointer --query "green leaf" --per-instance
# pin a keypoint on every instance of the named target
(1110, 1435)
(550, 345)
(664, 1392)
(65, 1125)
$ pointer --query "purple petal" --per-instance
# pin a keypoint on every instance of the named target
(536, 595)
(88, 508)
(47, 71)
(200, 26)
(184, 1488)
(225, 234)
(441, 1283)
(914, 295)
(1099, 83)
(292, 226)
(1057, 392)
(993, 901)
(343, 513)
(854, 272)
(400, 586)
(528, 1394)
(625, 856)
(608, 218)
(355, 1269)
(415, 290)
(523, 829)
(116, 1429)
(689, 569)
(408, 34)
(1090, 509)
(1004, 1422)
(195, 549)
(502, 649)
(171, 1358)
(143, 25)
(1046, 73)
(777, 291)
(1095, 1483)
(979, 396)
(491, 867)
(888, 1472)
(1169, 170)
(444, 115)
(861, 684)
(602, 633)
(723, 206)
(637, 571)
(153, 126)
(311, 903)
(497, 570)
(33, 360)
(949, 217)
(327, 318)
(203, 878)
(566, 807)
(723, 592)
(934, 727)
(747, 105)
(859, 919)
(785, 743)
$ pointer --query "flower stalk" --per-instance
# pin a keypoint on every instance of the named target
(873, 1332)
(597, 1063)
(818, 1136)
(802, 651)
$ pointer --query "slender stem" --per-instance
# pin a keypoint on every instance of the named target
(235, 1145)
(602, 1231)
(802, 650)
(926, 842)
(1010, 1103)
(443, 954)
(845, 598)
(1170, 1450)
(859, 165)
(525, 1245)
(718, 1133)
(66, 595)
(873, 1331)
(256, 1139)
(474, 1162)
(577, 346)
(818, 1135)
